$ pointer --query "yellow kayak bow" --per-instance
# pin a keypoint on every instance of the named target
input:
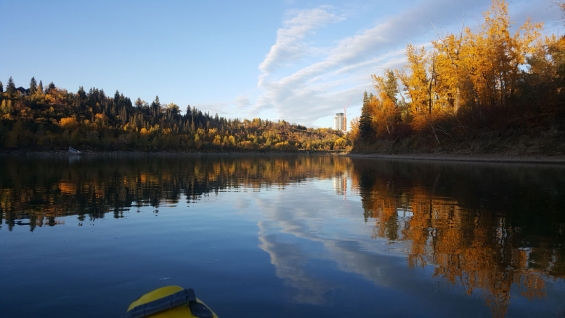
(169, 302)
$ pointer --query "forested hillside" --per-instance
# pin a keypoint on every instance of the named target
(53, 118)
(481, 90)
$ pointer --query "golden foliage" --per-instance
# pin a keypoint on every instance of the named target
(354, 128)
(478, 70)
(68, 122)
(383, 108)
(340, 143)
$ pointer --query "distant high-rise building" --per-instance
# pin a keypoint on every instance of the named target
(340, 122)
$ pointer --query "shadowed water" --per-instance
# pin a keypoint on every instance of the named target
(282, 236)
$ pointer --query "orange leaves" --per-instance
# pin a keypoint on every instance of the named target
(495, 57)
(354, 128)
(384, 112)
(478, 70)
(416, 80)
(421, 85)
(383, 108)
(68, 122)
(101, 119)
(451, 70)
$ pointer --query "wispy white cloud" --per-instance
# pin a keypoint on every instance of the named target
(289, 45)
(303, 93)
(324, 86)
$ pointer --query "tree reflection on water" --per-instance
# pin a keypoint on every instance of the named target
(488, 228)
(485, 227)
(37, 192)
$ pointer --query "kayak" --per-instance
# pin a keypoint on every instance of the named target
(169, 302)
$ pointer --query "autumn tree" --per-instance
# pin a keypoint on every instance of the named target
(340, 143)
(544, 86)
(484, 78)
(175, 109)
(480, 70)
(495, 56)
(5, 108)
(451, 70)
(139, 103)
(418, 85)
(383, 107)
(354, 129)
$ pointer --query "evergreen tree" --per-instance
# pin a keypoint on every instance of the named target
(1, 87)
(365, 129)
(156, 107)
(81, 93)
(11, 87)
(32, 86)
(50, 88)
(116, 97)
(40, 87)
(81, 97)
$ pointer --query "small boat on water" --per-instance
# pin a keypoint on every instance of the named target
(73, 151)
(169, 302)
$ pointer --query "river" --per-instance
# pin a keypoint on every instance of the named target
(282, 236)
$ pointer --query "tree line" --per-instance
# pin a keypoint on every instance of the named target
(488, 79)
(52, 118)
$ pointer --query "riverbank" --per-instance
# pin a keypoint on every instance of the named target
(536, 145)
(492, 158)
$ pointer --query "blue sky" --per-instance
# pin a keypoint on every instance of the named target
(301, 61)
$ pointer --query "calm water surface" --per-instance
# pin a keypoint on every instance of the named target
(271, 236)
